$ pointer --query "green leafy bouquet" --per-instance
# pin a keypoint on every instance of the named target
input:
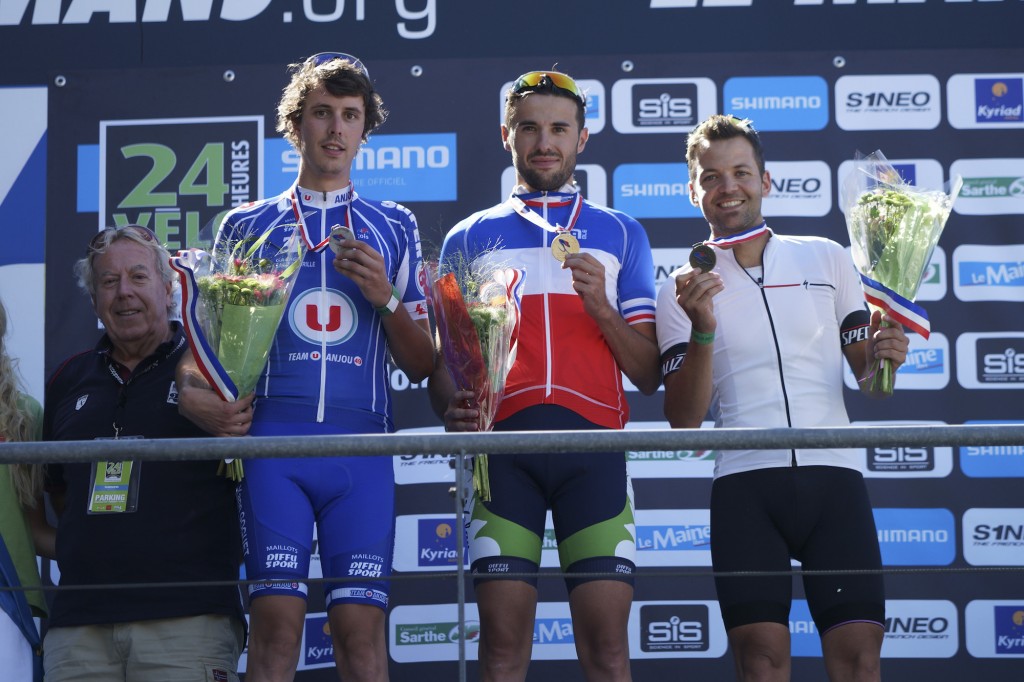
(476, 308)
(233, 301)
(894, 227)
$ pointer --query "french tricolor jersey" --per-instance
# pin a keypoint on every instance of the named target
(328, 362)
(562, 357)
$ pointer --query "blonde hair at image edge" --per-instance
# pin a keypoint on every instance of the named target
(15, 423)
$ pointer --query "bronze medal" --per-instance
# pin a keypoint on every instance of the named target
(702, 257)
(563, 245)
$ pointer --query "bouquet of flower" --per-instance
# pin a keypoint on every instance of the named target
(476, 308)
(893, 228)
(233, 301)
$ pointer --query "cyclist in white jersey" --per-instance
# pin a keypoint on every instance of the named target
(760, 340)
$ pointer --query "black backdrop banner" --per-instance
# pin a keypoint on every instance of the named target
(175, 147)
(161, 112)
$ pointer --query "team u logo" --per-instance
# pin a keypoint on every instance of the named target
(333, 319)
(327, 316)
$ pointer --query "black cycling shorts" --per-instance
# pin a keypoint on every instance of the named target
(818, 515)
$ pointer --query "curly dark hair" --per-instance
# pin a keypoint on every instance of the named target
(341, 78)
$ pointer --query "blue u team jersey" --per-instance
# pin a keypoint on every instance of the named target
(328, 363)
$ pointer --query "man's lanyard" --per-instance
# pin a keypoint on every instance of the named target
(520, 207)
(301, 220)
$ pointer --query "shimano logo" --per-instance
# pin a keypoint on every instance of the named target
(913, 535)
(403, 158)
(655, 189)
(776, 102)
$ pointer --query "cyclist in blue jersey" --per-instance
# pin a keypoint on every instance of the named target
(587, 318)
(327, 373)
(759, 338)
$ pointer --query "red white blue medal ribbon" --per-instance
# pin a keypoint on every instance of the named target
(301, 220)
(520, 207)
(745, 236)
(904, 311)
(185, 264)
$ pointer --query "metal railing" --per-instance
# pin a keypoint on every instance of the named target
(462, 445)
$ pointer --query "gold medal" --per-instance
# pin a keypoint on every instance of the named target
(702, 257)
(564, 245)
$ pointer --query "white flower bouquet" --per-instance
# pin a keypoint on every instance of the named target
(894, 227)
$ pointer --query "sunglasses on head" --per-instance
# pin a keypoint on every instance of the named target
(322, 58)
(535, 79)
(98, 241)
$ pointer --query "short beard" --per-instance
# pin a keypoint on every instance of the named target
(546, 183)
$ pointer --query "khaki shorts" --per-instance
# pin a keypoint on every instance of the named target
(193, 649)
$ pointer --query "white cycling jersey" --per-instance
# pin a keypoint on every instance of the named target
(777, 359)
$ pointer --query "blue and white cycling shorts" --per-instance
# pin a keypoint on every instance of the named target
(351, 500)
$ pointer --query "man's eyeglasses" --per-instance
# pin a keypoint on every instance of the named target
(100, 240)
(536, 79)
(322, 58)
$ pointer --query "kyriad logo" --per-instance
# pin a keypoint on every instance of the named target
(906, 461)
(992, 461)
(662, 105)
(928, 366)
(798, 188)
(318, 647)
(778, 103)
(995, 628)
(989, 273)
(990, 360)
(899, 102)
(594, 116)
(916, 537)
(994, 537)
(920, 628)
(1009, 629)
(999, 100)
(991, 186)
(427, 542)
(986, 100)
